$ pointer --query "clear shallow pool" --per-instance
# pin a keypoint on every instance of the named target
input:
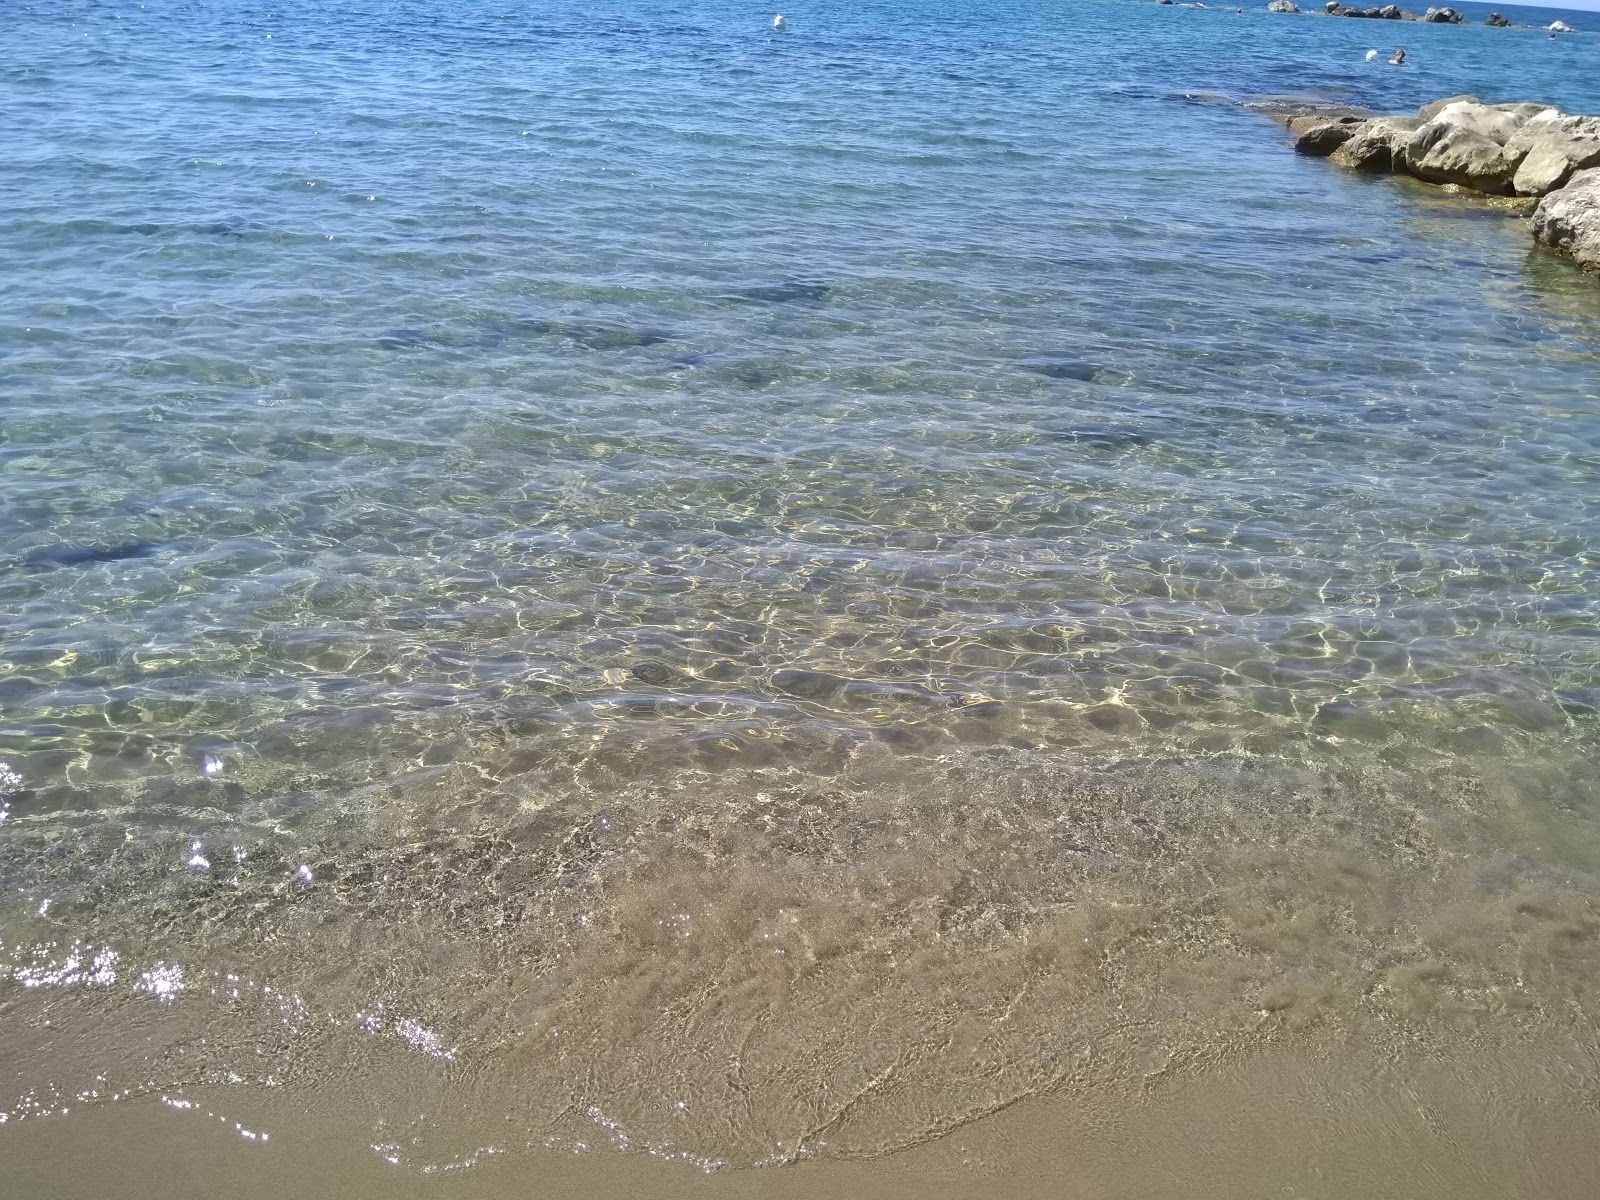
(639, 581)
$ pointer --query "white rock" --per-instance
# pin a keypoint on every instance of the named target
(1493, 123)
(1569, 219)
(1550, 147)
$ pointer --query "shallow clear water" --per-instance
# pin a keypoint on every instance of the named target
(647, 581)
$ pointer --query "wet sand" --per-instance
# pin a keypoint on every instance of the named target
(1272, 1125)
(1153, 977)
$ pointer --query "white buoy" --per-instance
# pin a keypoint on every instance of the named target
(778, 23)
(1372, 56)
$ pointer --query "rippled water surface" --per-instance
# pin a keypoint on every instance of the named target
(607, 578)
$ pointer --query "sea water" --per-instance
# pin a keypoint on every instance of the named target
(607, 578)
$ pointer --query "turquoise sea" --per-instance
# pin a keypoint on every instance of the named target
(603, 583)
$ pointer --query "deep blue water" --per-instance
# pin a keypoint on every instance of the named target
(418, 419)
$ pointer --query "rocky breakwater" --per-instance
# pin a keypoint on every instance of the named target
(1549, 158)
(1388, 12)
(1392, 12)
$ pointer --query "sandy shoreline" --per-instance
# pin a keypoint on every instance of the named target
(1331, 1122)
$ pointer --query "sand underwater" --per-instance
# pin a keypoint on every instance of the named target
(614, 601)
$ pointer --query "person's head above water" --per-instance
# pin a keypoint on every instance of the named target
(1399, 57)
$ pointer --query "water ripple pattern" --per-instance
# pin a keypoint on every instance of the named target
(463, 465)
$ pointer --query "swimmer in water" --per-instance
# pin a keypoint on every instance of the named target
(1399, 58)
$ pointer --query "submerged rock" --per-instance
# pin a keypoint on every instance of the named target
(404, 337)
(699, 359)
(1103, 437)
(1059, 366)
(781, 293)
(1299, 125)
(655, 673)
(1519, 206)
(593, 335)
(79, 556)
(600, 336)
(1569, 219)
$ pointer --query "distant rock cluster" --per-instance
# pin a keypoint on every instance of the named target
(1533, 151)
(1393, 12)
(1389, 12)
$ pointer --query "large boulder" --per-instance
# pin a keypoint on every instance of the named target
(1569, 219)
(1550, 148)
(1374, 144)
(1463, 143)
(1495, 122)
(1443, 16)
(1497, 21)
(1429, 111)
(1283, 6)
(1320, 137)
(1536, 127)
(1441, 152)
